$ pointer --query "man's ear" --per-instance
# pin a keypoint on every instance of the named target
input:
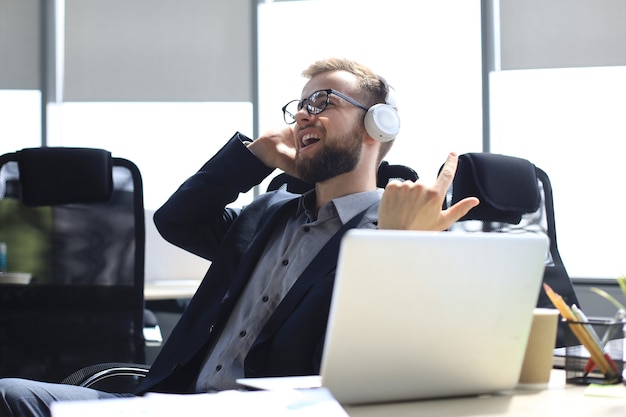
(367, 139)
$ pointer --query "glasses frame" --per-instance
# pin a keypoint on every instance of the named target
(291, 118)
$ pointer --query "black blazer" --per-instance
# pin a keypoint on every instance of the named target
(195, 218)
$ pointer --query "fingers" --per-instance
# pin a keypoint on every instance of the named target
(276, 148)
(444, 180)
(415, 206)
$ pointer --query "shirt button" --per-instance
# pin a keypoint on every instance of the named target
(285, 262)
(242, 333)
(306, 228)
(265, 298)
(218, 368)
(210, 329)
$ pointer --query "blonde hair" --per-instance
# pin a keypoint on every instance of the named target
(372, 88)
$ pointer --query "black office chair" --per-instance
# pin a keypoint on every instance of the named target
(74, 219)
(386, 173)
(515, 197)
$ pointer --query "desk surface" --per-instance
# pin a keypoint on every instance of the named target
(559, 399)
(170, 289)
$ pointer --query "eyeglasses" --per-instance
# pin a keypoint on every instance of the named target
(315, 104)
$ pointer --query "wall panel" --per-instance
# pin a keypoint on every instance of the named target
(562, 33)
(20, 66)
(158, 50)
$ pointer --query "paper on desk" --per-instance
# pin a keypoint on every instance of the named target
(609, 390)
(283, 403)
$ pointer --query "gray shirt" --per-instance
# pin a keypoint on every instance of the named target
(291, 248)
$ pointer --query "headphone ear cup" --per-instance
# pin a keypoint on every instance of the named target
(382, 122)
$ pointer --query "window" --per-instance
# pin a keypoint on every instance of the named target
(570, 123)
(430, 55)
(20, 119)
(168, 141)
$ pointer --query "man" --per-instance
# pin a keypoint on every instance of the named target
(262, 308)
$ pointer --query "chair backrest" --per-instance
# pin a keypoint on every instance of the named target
(74, 219)
(386, 173)
(515, 197)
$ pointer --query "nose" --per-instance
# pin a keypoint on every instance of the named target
(303, 116)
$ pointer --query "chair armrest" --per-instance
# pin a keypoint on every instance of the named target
(90, 375)
(151, 330)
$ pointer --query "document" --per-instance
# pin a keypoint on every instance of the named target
(282, 403)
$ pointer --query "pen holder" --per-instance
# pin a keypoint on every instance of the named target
(608, 337)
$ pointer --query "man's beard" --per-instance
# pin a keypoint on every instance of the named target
(332, 160)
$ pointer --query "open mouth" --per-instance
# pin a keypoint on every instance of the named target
(309, 139)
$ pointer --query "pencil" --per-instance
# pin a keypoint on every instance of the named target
(580, 332)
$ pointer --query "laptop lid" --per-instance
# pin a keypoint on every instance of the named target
(419, 315)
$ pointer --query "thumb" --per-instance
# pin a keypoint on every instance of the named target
(460, 209)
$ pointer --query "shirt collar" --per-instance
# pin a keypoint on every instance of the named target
(345, 207)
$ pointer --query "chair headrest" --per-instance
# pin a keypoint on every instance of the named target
(387, 172)
(288, 183)
(60, 175)
(506, 186)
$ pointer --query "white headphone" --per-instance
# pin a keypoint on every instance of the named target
(382, 121)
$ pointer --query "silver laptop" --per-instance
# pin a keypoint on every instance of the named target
(420, 315)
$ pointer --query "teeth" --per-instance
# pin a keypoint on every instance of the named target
(309, 138)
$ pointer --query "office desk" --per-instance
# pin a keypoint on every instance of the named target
(172, 289)
(559, 399)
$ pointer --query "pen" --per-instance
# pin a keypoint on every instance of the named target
(582, 317)
(590, 366)
(581, 334)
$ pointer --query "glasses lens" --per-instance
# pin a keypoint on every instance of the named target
(316, 103)
(290, 110)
